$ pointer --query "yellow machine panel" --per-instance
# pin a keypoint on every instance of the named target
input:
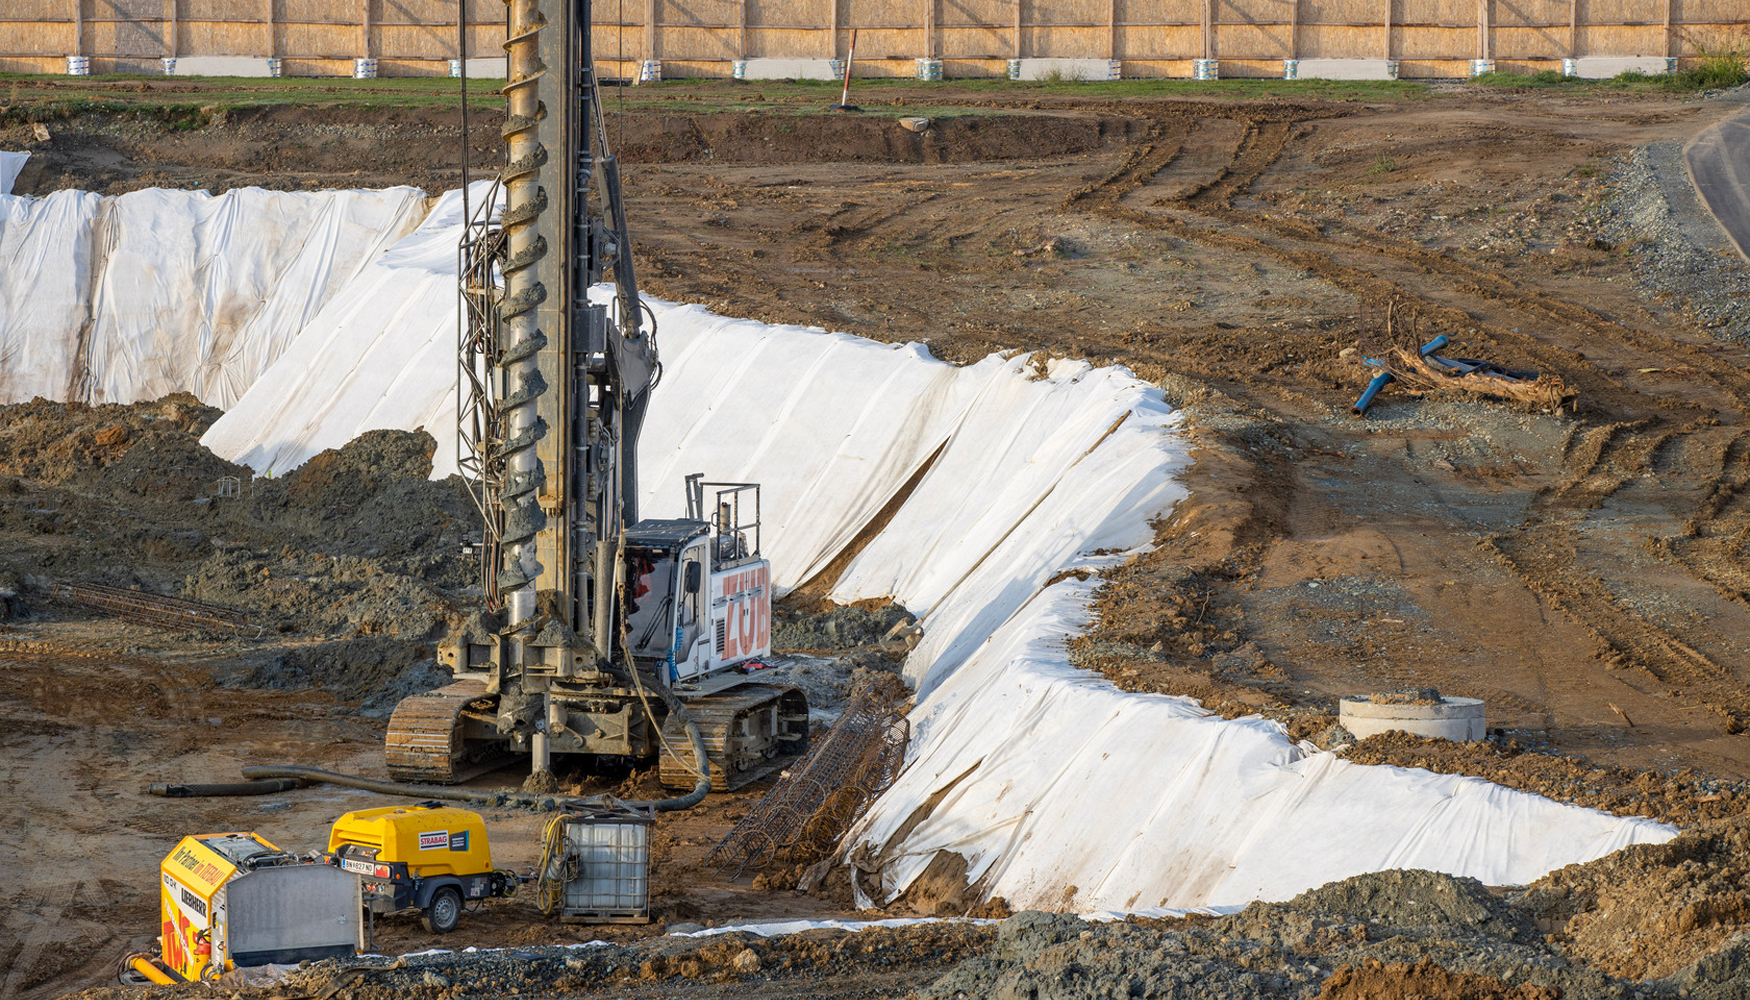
(429, 840)
(192, 905)
(230, 900)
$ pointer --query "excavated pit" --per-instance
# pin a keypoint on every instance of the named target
(293, 722)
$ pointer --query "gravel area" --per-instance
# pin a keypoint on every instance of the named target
(1681, 256)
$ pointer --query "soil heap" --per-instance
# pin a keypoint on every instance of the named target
(352, 562)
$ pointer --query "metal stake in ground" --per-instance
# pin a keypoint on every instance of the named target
(844, 103)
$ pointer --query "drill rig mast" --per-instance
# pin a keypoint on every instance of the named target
(554, 391)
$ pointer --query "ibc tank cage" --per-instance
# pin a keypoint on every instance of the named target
(597, 866)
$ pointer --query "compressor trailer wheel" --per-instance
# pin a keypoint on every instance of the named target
(444, 911)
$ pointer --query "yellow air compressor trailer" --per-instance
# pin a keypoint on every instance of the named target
(233, 900)
(428, 857)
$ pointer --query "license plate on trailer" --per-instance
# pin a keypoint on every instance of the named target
(357, 867)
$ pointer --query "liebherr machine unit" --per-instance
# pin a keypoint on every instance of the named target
(598, 633)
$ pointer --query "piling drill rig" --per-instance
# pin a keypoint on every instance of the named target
(597, 633)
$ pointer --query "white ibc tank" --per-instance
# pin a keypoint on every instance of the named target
(1423, 713)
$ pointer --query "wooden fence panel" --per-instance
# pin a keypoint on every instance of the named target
(36, 36)
(700, 30)
(1622, 28)
(1152, 38)
(1160, 38)
(788, 29)
(1255, 34)
(976, 30)
(1704, 27)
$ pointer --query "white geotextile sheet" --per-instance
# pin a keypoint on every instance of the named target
(1041, 473)
(1028, 472)
(11, 164)
(202, 293)
(45, 291)
(1050, 778)
(829, 425)
(380, 354)
(161, 291)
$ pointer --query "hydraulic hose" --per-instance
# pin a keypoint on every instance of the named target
(702, 787)
(185, 791)
(316, 775)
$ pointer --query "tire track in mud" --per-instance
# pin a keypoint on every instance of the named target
(1543, 552)
(1712, 543)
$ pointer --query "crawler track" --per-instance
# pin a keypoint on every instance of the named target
(424, 743)
(749, 732)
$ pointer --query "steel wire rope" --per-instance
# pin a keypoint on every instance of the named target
(462, 72)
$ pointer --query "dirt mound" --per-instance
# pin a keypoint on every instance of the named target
(829, 683)
(356, 543)
(1411, 900)
(57, 442)
(1423, 931)
(306, 592)
(335, 479)
(1651, 909)
(291, 147)
(376, 673)
(883, 961)
(1682, 798)
(168, 468)
(372, 499)
(836, 628)
(1723, 975)
(791, 138)
(1379, 981)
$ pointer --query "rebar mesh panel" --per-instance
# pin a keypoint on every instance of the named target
(155, 610)
(803, 816)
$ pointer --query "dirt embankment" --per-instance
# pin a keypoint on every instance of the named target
(1651, 910)
(352, 563)
(1683, 798)
(289, 148)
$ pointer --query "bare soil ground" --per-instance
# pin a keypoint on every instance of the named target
(1581, 570)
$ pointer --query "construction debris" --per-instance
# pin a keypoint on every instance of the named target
(1483, 378)
(1426, 371)
(156, 610)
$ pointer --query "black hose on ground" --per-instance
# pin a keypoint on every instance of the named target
(317, 776)
(548, 803)
(703, 786)
(183, 791)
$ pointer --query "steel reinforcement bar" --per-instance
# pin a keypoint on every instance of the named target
(806, 812)
(155, 610)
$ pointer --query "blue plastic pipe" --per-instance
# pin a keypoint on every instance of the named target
(1372, 390)
(1379, 381)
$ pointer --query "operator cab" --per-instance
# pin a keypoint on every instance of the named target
(698, 591)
